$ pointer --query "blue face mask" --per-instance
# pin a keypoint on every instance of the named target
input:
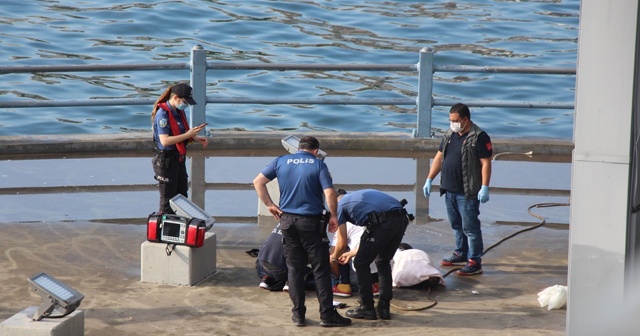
(182, 106)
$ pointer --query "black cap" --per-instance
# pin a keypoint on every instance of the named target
(184, 91)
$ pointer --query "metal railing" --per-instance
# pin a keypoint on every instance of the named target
(198, 66)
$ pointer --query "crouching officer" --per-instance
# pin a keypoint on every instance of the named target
(386, 221)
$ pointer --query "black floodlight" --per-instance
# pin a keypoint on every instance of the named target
(291, 143)
(55, 294)
(185, 208)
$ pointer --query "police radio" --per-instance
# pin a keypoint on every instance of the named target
(186, 227)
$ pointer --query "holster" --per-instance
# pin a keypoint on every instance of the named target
(372, 223)
(161, 159)
(326, 216)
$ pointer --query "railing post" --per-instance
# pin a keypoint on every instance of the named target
(425, 94)
(199, 85)
(198, 116)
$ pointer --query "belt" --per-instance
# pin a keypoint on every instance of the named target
(392, 213)
(166, 151)
(303, 216)
(169, 153)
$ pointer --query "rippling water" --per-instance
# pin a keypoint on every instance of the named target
(488, 33)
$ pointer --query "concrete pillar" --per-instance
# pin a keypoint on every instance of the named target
(598, 301)
(274, 192)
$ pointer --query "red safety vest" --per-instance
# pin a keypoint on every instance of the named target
(175, 129)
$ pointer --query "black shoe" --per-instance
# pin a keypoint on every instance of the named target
(298, 321)
(335, 321)
(363, 312)
(383, 313)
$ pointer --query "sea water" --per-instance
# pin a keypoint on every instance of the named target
(531, 33)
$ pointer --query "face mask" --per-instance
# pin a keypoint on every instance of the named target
(456, 126)
(182, 106)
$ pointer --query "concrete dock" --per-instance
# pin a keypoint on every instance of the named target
(99, 256)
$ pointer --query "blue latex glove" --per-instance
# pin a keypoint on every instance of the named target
(483, 195)
(427, 188)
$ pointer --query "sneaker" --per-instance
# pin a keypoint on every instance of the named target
(472, 268)
(263, 284)
(363, 312)
(285, 288)
(335, 321)
(454, 259)
(298, 321)
(343, 290)
(375, 288)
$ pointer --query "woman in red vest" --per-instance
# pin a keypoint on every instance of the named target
(171, 135)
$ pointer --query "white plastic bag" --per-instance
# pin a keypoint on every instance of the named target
(555, 297)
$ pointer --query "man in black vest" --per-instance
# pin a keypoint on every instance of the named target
(464, 158)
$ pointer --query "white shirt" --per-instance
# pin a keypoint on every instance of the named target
(411, 267)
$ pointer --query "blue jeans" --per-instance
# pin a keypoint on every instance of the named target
(463, 214)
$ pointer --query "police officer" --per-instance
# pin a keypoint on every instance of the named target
(270, 264)
(386, 221)
(171, 134)
(303, 181)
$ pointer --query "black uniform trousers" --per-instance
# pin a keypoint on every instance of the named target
(171, 173)
(381, 246)
(305, 241)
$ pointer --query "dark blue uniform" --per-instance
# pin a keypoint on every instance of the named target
(161, 126)
(271, 262)
(302, 179)
(387, 221)
(169, 167)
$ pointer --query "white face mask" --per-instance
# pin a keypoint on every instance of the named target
(182, 106)
(456, 126)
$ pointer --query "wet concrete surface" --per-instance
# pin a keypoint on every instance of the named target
(102, 261)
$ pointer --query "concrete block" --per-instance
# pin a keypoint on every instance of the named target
(274, 191)
(22, 324)
(186, 266)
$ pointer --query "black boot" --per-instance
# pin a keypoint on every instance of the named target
(383, 309)
(362, 312)
(335, 320)
(298, 321)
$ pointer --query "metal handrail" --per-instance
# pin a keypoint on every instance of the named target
(93, 67)
(199, 66)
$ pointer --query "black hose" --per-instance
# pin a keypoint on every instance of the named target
(543, 221)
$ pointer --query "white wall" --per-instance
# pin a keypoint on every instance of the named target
(601, 159)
